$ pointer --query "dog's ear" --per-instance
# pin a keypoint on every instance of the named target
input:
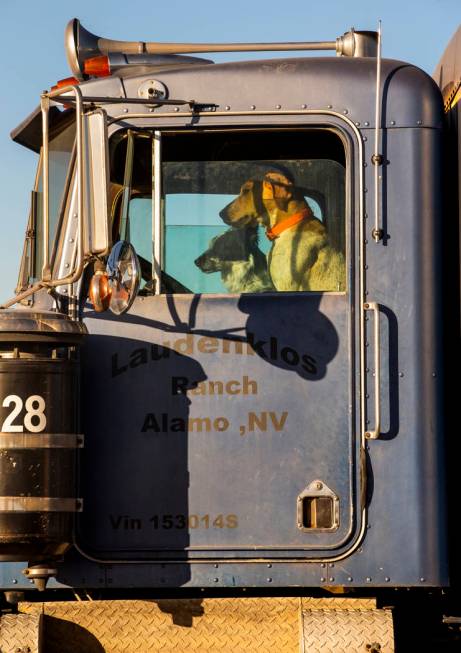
(280, 194)
(275, 191)
(276, 187)
(267, 191)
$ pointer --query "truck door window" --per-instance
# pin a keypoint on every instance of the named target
(244, 211)
(223, 194)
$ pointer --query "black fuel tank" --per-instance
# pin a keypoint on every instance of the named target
(39, 433)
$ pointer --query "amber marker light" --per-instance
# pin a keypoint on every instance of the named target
(100, 291)
(97, 66)
(68, 81)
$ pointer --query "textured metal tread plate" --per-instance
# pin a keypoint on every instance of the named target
(21, 632)
(218, 625)
(347, 631)
(333, 603)
(230, 625)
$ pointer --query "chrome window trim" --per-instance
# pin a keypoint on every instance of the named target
(157, 213)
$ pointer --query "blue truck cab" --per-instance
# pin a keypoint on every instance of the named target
(223, 373)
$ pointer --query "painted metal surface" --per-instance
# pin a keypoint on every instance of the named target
(409, 97)
(135, 462)
(219, 420)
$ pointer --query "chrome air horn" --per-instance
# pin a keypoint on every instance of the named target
(81, 45)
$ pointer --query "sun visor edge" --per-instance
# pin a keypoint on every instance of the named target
(29, 132)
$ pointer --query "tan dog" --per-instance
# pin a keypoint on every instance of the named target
(301, 257)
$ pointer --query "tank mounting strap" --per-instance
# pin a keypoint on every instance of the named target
(40, 504)
(41, 441)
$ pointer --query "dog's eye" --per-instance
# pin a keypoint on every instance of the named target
(247, 186)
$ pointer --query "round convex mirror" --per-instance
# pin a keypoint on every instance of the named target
(124, 274)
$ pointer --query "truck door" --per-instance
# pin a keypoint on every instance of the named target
(222, 415)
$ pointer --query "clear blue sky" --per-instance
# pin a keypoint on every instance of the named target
(32, 58)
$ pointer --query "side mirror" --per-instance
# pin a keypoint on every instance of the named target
(118, 286)
(95, 154)
(124, 273)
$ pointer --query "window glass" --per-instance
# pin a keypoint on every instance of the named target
(139, 230)
(242, 211)
(193, 223)
(26, 273)
(186, 238)
(236, 223)
(60, 154)
(139, 233)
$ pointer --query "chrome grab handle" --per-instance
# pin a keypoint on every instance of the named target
(374, 434)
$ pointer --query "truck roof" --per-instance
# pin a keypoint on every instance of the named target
(340, 84)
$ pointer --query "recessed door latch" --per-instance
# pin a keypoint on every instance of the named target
(317, 508)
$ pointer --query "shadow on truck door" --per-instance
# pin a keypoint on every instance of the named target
(134, 466)
(192, 412)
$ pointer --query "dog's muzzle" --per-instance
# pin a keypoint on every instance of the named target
(205, 263)
(241, 221)
(223, 214)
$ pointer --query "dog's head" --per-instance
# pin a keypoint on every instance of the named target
(234, 245)
(257, 197)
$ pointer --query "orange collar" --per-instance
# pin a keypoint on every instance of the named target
(279, 228)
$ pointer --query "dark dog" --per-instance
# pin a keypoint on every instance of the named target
(236, 254)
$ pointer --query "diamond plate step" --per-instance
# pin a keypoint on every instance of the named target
(347, 631)
(21, 633)
(228, 625)
(195, 625)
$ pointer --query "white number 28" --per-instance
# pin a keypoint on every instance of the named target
(34, 419)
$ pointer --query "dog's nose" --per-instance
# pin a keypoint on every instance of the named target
(203, 263)
(223, 215)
